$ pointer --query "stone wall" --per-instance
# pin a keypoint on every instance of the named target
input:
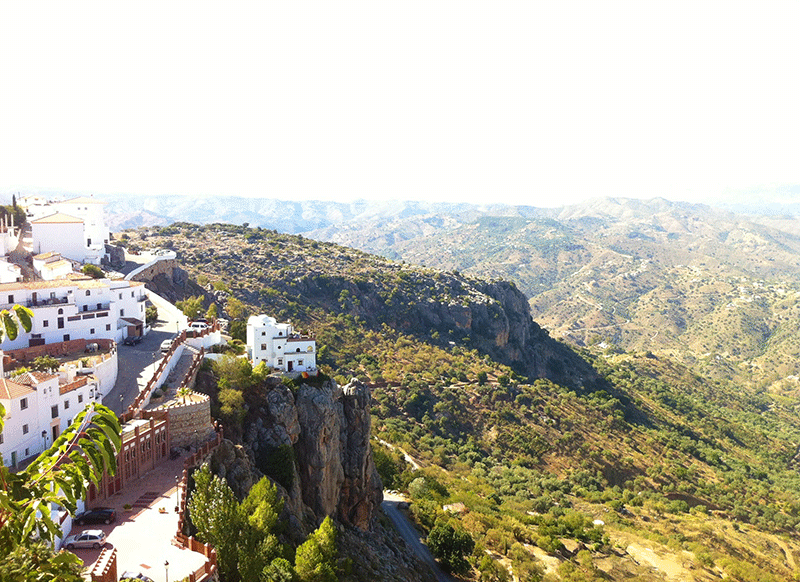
(190, 423)
(158, 266)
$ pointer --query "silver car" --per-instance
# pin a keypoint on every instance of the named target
(89, 538)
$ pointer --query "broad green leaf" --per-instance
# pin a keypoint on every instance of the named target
(9, 324)
(25, 316)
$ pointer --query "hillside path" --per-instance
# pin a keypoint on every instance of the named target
(410, 535)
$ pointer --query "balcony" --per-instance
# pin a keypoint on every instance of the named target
(48, 301)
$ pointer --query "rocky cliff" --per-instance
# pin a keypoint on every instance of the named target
(332, 472)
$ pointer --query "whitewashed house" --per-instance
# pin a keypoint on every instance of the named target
(39, 407)
(9, 272)
(51, 266)
(61, 233)
(74, 228)
(83, 308)
(279, 346)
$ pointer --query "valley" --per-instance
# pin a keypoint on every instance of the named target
(690, 470)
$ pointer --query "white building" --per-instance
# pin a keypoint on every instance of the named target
(67, 309)
(50, 266)
(74, 228)
(279, 346)
(39, 407)
(9, 272)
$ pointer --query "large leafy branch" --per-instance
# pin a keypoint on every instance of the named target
(60, 475)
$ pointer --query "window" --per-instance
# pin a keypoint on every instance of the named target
(88, 242)
(45, 323)
(11, 299)
(60, 311)
(131, 293)
(27, 452)
(91, 331)
(86, 308)
(299, 362)
(66, 337)
(108, 327)
(88, 292)
(263, 346)
(54, 411)
(280, 361)
(80, 398)
(1, 438)
(23, 404)
(66, 405)
(297, 350)
(121, 312)
(263, 333)
(25, 429)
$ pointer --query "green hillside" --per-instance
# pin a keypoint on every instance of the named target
(693, 475)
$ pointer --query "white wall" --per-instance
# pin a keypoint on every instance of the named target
(64, 238)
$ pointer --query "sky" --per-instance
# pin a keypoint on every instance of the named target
(534, 102)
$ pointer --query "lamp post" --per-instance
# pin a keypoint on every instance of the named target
(166, 570)
(177, 494)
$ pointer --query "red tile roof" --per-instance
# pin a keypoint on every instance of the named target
(10, 390)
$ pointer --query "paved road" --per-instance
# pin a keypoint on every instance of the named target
(136, 363)
(410, 535)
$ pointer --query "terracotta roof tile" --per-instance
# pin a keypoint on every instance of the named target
(33, 378)
(10, 390)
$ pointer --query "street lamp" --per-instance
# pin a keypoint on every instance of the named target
(177, 494)
(166, 570)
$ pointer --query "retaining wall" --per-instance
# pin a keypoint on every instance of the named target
(162, 264)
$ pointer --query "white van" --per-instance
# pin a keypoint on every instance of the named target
(198, 326)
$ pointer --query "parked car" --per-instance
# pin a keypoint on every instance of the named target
(165, 346)
(132, 340)
(96, 515)
(90, 538)
(135, 576)
(198, 326)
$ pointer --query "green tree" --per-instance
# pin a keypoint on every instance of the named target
(238, 330)
(450, 546)
(214, 511)
(315, 558)
(244, 534)
(191, 307)
(151, 315)
(235, 308)
(93, 271)
(45, 363)
(232, 406)
(211, 312)
(482, 377)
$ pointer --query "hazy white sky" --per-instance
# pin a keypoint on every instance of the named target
(540, 103)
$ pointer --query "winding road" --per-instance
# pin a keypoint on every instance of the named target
(410, 535)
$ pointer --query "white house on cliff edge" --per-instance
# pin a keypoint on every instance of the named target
(279, 346)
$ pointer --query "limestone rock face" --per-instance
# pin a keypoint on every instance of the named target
(361, 491)
(319, 450)
(328, 428)
(232, 463)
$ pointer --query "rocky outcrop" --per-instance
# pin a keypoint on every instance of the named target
(328, 430)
